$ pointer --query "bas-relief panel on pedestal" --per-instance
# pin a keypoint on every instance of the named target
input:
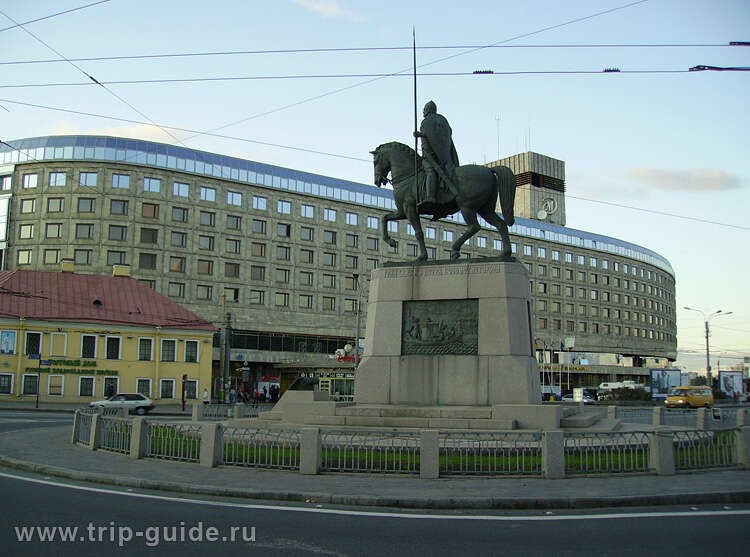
(444, 327)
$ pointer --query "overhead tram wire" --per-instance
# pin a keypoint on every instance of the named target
(187, 130)
(118, 97)
(409, 69)
(365, 49)
(336, 76)
(338, 155)
(17, 25)
(662, 213)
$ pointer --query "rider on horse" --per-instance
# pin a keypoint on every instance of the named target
(439, 157)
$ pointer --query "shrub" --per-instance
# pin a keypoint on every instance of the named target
(631, 394)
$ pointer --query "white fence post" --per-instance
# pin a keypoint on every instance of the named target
(139, 438)
(95, 436)
(238, 413)
(611, 412)
(310, 451)
(212, 450)
(741, 417)
(701, 418)
(658, 416)
(553, 454)
(429, 454)
(76, 426)
(197, 412)
(661, 452)
(743, 446)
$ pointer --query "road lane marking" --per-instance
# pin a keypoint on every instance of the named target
(519, 518)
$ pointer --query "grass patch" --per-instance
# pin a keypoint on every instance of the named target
(261, 455)
(491, 462)
(171, 443)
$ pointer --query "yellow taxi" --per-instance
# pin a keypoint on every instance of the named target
(690, 397)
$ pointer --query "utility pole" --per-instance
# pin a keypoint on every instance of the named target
(359, 319)
(706, 319)
(226, 348)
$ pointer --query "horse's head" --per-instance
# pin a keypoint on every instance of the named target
(382, 166)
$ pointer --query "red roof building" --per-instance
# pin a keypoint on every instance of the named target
(68, 337)
(68, 296)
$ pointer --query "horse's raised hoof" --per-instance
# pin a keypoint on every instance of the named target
(455, 255)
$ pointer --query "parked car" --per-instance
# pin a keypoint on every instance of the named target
(134, 402)
(587, 398)
(690, 397)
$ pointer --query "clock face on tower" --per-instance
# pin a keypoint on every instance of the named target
(549, 205)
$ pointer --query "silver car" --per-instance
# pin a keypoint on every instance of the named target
(134, 402)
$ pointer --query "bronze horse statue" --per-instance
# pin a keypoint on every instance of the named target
(478, 190)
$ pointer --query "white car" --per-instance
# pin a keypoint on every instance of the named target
(134, 402)
(586, 399)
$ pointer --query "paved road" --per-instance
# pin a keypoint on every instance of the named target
(12, 420)
(15, 420)
(107, 519)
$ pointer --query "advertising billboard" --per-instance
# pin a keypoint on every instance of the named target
(731, 382)
(663, 381)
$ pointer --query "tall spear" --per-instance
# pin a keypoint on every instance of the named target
(416, 139)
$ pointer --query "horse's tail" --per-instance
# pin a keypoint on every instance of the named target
(506, 191)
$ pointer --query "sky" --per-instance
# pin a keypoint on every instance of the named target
(655, 155)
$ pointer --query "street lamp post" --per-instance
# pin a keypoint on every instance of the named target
(359, 313)
(706, 320)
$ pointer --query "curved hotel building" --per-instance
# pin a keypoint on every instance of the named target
(287, 253)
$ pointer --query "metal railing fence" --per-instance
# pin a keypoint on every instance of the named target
(84, 427)
(491, 453)
(679, 417)
(635, 415)
(220, 411)
(261, 448)
(370, 451)
(701, 449)
(116, 434)
(607, 452)
(173, 441)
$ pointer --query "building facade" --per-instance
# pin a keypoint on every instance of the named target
(287, 253)
(66, 337)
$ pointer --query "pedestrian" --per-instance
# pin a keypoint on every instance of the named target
(205, 396)
(232, 396)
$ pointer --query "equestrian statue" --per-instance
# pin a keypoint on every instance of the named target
(434, 184)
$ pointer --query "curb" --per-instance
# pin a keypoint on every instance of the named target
(442, 503)
(73, 410)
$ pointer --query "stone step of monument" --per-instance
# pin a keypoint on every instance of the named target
(500, 424)
(270, 415)
(425, 423)
(584, 419)
(388, 411)
(606, 424)
(325, 420)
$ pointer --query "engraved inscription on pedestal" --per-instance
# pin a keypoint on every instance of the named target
(444, 327)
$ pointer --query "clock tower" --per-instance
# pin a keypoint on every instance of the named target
(540, 186)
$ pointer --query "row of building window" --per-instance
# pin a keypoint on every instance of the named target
(87, 386)
(585, 327)
(58, 347)
(268, 179)
(306, 233)
(570, 292)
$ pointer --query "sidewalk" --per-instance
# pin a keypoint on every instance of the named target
(49, 451)
(26, 405)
